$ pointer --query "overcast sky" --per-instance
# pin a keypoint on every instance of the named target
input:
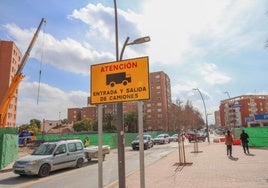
(215, 46)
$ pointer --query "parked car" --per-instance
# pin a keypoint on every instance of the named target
(147, 141)
(174, 138)
(196, 136)
(162, 139)
(51, 156)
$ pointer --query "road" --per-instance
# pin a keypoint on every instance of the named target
(87, 176)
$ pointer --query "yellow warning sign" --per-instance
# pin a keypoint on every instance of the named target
(121, 81)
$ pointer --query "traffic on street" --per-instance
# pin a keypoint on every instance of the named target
(88, 174)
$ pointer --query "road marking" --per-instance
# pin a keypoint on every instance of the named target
(40, 180)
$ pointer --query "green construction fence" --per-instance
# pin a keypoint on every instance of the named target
(107, 138)
(258, 136)
(8, 146)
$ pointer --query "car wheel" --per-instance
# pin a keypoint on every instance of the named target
(44, 170)
(79, 163)
(146, 147)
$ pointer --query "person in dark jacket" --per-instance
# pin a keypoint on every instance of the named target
(244, 139)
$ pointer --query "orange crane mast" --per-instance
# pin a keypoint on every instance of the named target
(9, 94)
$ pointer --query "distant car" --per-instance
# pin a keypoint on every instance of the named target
(162, 139)
(147, 141)
(51, 156)
(174, 138)
(196, 136)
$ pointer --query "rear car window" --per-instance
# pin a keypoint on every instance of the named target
(72, 147)
(79, 146)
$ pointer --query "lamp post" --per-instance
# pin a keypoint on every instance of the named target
(120, 125)
(196, 89)
(208, 114)
(227, 93)
(137, 41)
(119, 106)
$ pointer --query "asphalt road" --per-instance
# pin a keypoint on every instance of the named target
(87, 176)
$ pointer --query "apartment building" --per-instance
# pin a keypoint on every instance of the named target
(158, 107)
(245, 110)
(157, 110)
(10, 58)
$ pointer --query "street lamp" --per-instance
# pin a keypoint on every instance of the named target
(137, 41)
(196, 89)
(227, 93)
(119, 106)
(120, 125)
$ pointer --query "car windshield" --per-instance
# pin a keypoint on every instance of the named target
(45, 149)
(160, 136)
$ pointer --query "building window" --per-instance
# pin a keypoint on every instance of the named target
(159, 110)
(159, 104)
(149, 110)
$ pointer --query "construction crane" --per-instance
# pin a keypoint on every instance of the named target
(9, 94)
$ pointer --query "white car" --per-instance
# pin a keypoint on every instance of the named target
(162, 139)
(51, 156)
(174, 138)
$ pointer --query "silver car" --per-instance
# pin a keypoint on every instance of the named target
(162, 139)
(51, 156)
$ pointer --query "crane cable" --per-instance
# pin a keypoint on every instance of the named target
(41, 62)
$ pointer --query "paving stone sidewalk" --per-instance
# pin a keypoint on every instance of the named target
(210, 167)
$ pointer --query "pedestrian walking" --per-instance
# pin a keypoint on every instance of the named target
(244, 139)
(229, 143)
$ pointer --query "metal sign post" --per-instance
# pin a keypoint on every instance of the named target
(141, 145)
(100, 158)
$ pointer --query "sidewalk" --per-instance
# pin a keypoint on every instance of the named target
(210, 168)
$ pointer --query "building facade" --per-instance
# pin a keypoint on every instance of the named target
(157, 109)
(244, 111)
(217, 118)
(10, 58)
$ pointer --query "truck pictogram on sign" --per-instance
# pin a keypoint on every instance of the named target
(118, 78)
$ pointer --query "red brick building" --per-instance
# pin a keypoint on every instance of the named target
(158, 107)
(10, 58)
(243, 110)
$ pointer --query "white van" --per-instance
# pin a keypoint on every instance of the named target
(51, 156)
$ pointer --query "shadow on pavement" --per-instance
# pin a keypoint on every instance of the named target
(233, 158)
